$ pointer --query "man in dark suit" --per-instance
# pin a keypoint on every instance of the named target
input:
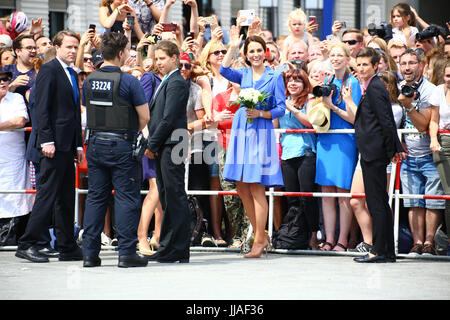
(168, 132)
(58, 119)
(378, 143)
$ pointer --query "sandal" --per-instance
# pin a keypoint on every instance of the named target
(326, 244)
(340, 245)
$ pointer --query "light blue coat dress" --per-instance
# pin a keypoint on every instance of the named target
(252, 154)
(336, 152)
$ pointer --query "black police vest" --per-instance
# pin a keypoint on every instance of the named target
(106, 110)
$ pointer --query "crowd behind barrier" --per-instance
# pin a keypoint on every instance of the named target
(315, 146)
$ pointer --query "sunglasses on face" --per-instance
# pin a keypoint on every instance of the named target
(187, 66)
(351, 42)
(5, 79)
(217, 52)
(297, 80)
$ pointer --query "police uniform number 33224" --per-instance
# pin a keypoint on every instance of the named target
(101, 85)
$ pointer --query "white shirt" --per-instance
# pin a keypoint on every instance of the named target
(65, 66)
(12, 142)
(438, 99)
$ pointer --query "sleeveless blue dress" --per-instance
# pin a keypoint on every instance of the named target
(337, 152)
(252, 154)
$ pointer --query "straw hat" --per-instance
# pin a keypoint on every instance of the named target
(319, 116)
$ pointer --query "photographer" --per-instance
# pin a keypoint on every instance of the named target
(418, 172)
(429, 38)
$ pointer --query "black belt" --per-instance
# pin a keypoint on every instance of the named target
(107, 135)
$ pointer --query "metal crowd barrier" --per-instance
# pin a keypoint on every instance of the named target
(394, 194)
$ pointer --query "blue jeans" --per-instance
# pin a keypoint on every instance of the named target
(419, 176)
(110, 166)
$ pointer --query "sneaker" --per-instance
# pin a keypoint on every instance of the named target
(105, 240)
(429, 250)
(207, 241)
(236, 243)
(361, 247)
(220, 242)
(416, 250)
(80, 237)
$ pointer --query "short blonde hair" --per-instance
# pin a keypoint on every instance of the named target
(341, 45)
(209, 48)
(297, 14)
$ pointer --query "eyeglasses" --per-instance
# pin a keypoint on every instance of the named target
(5, 79)
(410, 63)
(187, 66)
(351, 42)
(217, 52)
(30, 48)
(86, 59)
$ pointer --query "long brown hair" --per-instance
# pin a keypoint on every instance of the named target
(307, 87)
(404, 10)
(389, 78)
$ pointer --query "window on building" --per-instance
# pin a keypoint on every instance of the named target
(57, 16)
(6, 8)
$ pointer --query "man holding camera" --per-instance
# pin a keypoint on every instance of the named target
(117, 111)
(418, 172)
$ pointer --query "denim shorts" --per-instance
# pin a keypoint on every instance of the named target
(419, 176)
(210, 156)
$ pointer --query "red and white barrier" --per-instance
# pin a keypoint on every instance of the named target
(394, 185)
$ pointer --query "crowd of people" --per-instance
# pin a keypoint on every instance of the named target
(236, 148)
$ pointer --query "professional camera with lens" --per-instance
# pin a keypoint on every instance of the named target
(408, 91)
(430, 32)
(384, 30)
(325, 91)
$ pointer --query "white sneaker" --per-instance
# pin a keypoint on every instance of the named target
(80, 236)
(105, 240)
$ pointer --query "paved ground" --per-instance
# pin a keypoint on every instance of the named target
(228, 276)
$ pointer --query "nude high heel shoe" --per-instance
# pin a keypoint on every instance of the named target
(154, 244)
(258, 249)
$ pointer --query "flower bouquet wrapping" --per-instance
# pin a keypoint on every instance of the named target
(251, 97)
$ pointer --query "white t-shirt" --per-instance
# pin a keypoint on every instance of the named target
(438, 99)
(12, 142)
(398, 35)
(418, 144)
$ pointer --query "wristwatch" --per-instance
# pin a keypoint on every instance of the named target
(260, 113)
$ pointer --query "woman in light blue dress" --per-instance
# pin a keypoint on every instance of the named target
(252, 157)
(336, 152)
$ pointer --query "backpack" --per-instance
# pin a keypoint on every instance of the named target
(293, 232)
(198, 223)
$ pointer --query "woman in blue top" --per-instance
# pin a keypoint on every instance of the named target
(298, 158)
(336, 152)
(252, 155)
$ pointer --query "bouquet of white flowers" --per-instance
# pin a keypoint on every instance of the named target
(250, 97)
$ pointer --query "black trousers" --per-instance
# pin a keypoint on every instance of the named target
(375, 185)
(298, 176)
(175, 229)
(55, 199)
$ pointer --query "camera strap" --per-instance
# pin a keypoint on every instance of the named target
(344, 83)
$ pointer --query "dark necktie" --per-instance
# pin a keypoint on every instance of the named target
(74, 83)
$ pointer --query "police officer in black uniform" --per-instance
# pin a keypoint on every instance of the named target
(117, 111)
